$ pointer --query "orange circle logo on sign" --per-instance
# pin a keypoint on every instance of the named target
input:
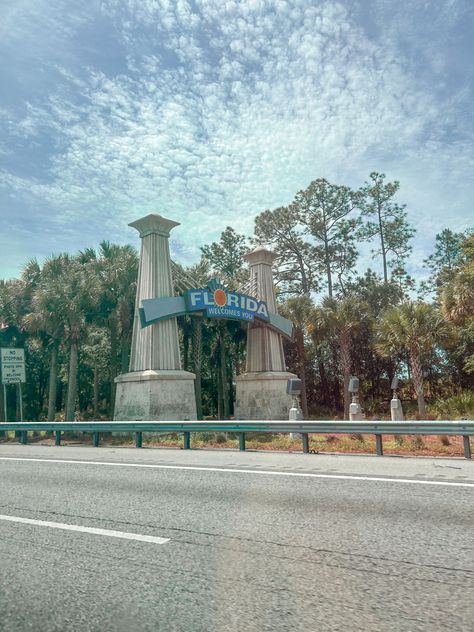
(220, 298)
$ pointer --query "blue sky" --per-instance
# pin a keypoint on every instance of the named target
(210, 111)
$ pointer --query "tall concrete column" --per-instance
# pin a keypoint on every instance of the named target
(155, 388)
(261, 390)
(264, 346)
(157, 346)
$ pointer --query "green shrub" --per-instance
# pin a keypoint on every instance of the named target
(220, 438)
(418, 443)
(455, 407)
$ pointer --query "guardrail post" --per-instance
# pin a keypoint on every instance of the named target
(95, 439)
(305, 439)
(241, 440)
(57, 440)
(186, 440)
(3, 435)
(467, 446)
(23, 437)
(379, 444)
(138, 439)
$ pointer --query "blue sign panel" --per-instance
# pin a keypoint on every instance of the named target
(218, 302)
(214, 301)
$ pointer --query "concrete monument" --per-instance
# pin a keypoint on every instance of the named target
(155, 388)
(261, 392)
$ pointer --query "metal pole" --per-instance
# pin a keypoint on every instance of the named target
(186, 440)
(379, 444)
(305, 438)
(241, 440)
(5, 402)
(21, 401)
(467, 446)
(138, 439)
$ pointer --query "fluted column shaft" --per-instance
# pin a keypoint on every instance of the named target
(154, 347)
(264, 346)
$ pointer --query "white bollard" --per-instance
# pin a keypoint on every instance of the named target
(396, 410)
(295, 414)
(355, 412)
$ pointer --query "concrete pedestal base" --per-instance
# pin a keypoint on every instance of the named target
(262, 395)
(155, 396)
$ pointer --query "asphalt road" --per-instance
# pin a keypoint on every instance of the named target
(281, 542)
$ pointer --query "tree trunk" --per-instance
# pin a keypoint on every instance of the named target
(197, 363)
(72, 383)
(223, 371)
(185, 347)
(324, 382)
(96, 392)
(345, 351)
(382, 243)
(125, 344)
(302, 364)
(417, 376)
(53, 381)
(113, 364)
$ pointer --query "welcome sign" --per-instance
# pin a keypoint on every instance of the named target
(218, 302)
(213, 301)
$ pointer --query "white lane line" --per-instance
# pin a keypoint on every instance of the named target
(74, 527)
(349, 477)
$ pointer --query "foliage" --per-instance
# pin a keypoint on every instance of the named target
(73, 314)
(296, 267)
(387, 222)
(458, 406)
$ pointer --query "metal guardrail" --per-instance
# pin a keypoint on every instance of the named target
(464, 428)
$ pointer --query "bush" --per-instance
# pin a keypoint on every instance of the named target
(455, 407)
(445, 440)
(220, 438)
(418, 443)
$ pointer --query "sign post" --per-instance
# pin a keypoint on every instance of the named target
(12, 362)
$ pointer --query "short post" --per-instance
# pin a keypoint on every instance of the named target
(138, 439)
(467, 446)
(355, 411)
(57, 440)
(396, 410)
(294, 386)
(23, 437)
(186, 440)
(379, 444)
(241, 440)
(95, 439)
(305, 438)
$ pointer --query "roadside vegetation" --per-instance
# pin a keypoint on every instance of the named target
(73, 315)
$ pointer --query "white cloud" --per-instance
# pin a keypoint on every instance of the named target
(229, 108)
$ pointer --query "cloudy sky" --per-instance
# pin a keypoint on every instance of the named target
(210, 111)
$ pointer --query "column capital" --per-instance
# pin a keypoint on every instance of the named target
(154, 224)
(260, 255)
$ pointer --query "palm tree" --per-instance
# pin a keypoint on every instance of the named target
(116, 269)
(75, 287)
(45, 318)
(339, 318)
(414, 328)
